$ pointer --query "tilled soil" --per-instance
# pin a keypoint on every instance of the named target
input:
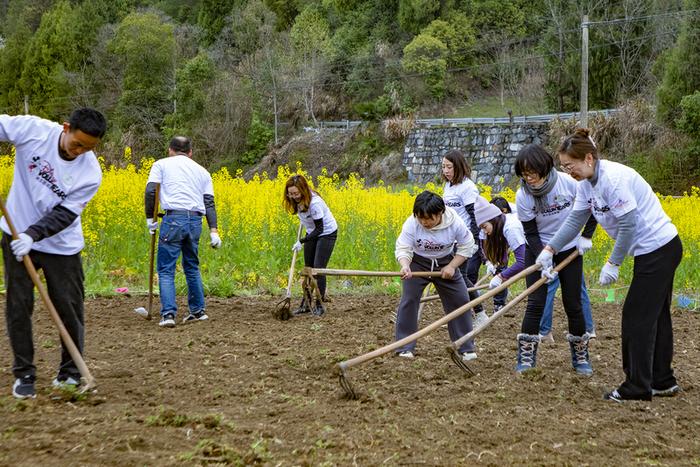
(246, 389)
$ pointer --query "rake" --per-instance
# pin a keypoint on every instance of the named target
(282, 310)
(62, 331)
(344, 366)
(453, 350)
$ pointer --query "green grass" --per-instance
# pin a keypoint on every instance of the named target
(491, 107)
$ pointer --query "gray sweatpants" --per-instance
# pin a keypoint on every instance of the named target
(453, 294)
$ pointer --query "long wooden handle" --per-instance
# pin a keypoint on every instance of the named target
(291, 268)
(62, 331)
(458, 343)
(153, 255)
(482, 281)
(435, 325)
(429, 298)
(352, 272)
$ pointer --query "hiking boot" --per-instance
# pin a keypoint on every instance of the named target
(580, 358)
(303, 308)
(167, 321)
(527, 352)
(547, 338)
(65, 382)
(406, 354)
(24, 387)
(468, 356)
(668, 392)
(192, 317)
(318, 309)
(479, 319)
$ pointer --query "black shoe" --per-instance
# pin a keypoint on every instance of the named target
(24, 387)
(192, 317)
(668, 392)
(319, 310)
(613, 396)
(303, 309)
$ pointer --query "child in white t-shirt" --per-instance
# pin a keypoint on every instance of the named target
(625, 206)
(321, 233)
(427, 243)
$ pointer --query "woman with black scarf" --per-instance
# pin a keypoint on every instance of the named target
(543, 201)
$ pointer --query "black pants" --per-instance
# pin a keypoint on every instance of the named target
(317, 253)
(470, 274)
(64, 283)
(647, 332)
(570, 280)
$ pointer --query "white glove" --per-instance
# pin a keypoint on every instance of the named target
(495, 282)
(550, 274)
(544, 259)
(22, 246)
(490, 268)
(297, 246)
(152, 225)
(215, 240)
(583, 244)
(609, 274)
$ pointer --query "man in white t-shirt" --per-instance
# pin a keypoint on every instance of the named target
(186, 194)
(56, 174)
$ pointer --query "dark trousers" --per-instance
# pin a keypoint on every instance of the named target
(317, 253)
(470, 273)
(64, 283)
(453, 294)
(570, 279)
(647, 332)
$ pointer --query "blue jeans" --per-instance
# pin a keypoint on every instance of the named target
(546, 320)
(180, 233)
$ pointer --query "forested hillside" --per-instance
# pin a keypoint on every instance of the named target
(241, 75)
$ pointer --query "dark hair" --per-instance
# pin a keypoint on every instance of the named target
(427, 205)
(89, 121)
(502, 204)
(181, 144)
(302, 185)
(533, 158)
(462, 169)
(496, 245)
(578, 145)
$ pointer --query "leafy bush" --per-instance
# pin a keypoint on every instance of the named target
(689, 121)
(259, 137)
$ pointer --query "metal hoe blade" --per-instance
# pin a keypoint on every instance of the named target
(281, 311)
(457, 358)
(345, 384)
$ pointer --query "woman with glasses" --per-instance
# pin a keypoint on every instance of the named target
(321, 233)
(627, 208)
(543, 201)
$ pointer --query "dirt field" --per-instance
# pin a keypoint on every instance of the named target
(246, 389)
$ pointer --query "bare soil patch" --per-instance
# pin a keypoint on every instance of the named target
(244, 388)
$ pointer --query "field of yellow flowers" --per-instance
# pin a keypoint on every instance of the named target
(258, 234)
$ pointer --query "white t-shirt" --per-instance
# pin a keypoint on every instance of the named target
(513, 232)
(318, 209)
(560, 201)
(42, 180)
(183, 183)
(618, 191)
(434, 243)
(459, 196)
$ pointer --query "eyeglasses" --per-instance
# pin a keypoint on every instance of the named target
(568, 167)
(529, 176)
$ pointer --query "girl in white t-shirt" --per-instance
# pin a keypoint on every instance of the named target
(627, 208)
(427, 243)
(460, 193)
(321, 232)
(543, 201)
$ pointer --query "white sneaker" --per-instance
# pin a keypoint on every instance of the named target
(68, 382)
(480, 318)
(547, 338)
(468, 356)
(167, 321)
(406, 354)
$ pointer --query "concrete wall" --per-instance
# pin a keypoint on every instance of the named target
(491, 150)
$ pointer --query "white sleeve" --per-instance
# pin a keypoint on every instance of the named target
(156, 174)
(15, 129)
(405, 240)
(465, 241)
(514, 236)
(525, 206)
(208, 188)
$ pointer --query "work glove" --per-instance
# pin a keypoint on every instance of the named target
(215, 240)
(297, 246)
(152, 225)
(583, 244)
(22, 246)
(495, 282)
(550, 274)
(544, 259)
(609, 274)
(490, 268)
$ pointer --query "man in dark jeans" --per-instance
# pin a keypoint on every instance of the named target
(56, 174)
(186, 194)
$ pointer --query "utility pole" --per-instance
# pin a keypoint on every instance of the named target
(26, 104)
(584, 72)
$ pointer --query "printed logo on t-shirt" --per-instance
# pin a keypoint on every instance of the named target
(453, 204)
(428, 245)
(561, 202)
(45, 175)
(597, 207)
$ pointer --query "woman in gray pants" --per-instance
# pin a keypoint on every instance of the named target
(426, 243)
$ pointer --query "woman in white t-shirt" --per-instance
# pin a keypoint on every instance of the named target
(627, 208)
(427, 243)
(460, 193)
(321, 232)
(543, 201)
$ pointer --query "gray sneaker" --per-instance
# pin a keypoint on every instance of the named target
(24, 387)
(192, 317)
(668, 392)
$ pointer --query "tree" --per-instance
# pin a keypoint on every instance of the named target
(212, 16)
(425, 55)
(415, 14)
